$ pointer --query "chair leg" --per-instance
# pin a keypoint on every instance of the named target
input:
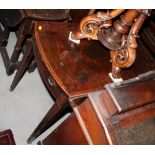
(6, 61)
(17, 48)
(53, 115)
(24, 30)
(27, 58)
(4, 35)
(32, 66)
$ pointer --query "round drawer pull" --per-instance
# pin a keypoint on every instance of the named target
(51, 81)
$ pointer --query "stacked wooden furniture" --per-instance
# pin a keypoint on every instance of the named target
(122, 113)
(22, 21)
(73, 71)
(23, 25)
(77, 77)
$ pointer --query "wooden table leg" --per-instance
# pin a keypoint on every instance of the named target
(27, 58)
(59, 109)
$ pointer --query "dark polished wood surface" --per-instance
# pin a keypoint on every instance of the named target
(68, 70)
(81, 127)
(79, 68)
(139, 94)
(71, 124)
(131, 127)
(100, 126)
(148, 37)
(72, 71)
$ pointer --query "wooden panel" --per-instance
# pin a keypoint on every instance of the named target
(135, 126)
(108, 103)
(46, 76)
(68, 133)
(132, 127)
(92, 123)
(132, 95)
(81, 127)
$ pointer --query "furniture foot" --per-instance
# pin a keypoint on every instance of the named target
(116, 71)
(32, 66)
(115, 79)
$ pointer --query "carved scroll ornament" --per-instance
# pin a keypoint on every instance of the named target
(120, 37)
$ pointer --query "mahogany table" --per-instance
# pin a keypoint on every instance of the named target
(68, 70)
(71, 71)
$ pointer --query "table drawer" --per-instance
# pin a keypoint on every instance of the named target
(46, 76)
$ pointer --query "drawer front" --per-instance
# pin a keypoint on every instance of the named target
(46, 76)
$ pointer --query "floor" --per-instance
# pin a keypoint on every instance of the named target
(22, 109)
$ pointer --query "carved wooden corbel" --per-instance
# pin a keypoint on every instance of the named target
(126, 56)
(90, 25)
(120, 37)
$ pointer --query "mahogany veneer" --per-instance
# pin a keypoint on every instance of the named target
(102, 122)
(72, 71)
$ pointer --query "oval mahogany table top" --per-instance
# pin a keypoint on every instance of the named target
(83, 68)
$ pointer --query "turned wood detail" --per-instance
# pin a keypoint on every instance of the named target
(119, 36)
